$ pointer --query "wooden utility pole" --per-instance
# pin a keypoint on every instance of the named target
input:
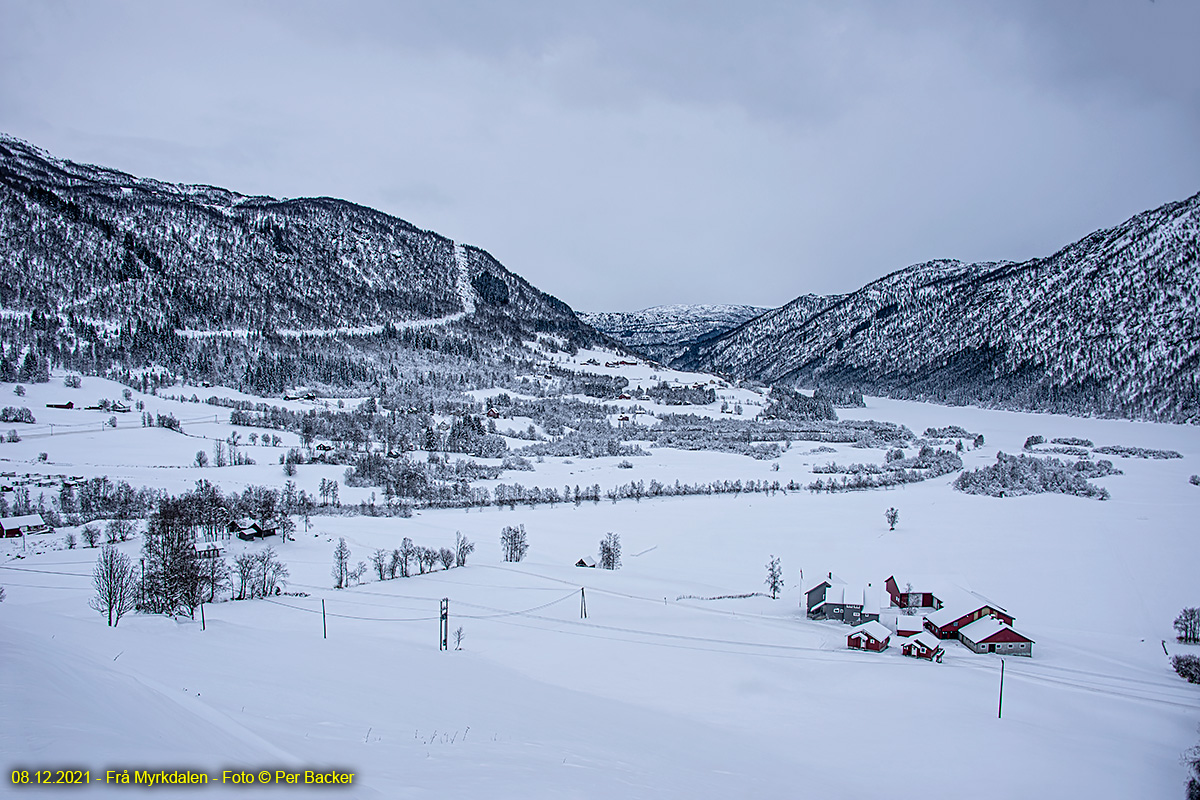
(1000, 706)
(583, 604)
(444, 625)
(324, 627)
(202, 616)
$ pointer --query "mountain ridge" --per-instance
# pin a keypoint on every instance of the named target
(1066, 332)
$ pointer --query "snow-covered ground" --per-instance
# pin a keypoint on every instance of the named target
(651, 695)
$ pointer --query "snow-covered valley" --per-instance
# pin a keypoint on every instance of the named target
(657, 693)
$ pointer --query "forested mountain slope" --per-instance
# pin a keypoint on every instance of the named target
(97, 265)
(1106, 325)
(663, 332)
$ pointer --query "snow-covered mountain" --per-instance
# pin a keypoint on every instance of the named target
(1107, 325)
(662, 333)
(94, 248)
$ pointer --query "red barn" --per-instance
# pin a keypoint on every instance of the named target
(946, 622)
(993, 635)
(871, 635)
(910, 599)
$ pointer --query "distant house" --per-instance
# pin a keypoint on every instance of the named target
(324, 448)
(993, 635)
(586, 561)
(67, 405)
(872, 636)
(909, 625)
(832, 599)
(946, 622)
(493, 413)
(624, 397)
(923, 645)
(207, 550)
(910, 599)
(243, 528)
(22, 526)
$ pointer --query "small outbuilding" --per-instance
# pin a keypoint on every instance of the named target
(872, 635)
(586, 561)
(23, 526)
(993, 635)
(909, 625)
(207, 550)
(923, 645)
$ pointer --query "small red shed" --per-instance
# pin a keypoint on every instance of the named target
(872, 635)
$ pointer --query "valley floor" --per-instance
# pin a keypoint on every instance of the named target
(653, 695)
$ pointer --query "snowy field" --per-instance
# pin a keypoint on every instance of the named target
(652, 695)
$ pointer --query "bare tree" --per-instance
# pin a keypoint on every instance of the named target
(379, 559)
(610, 551)
(214, 576)
(408, 552)
(341, 564)
(356, 574)
(244, 564)
(513, 543)
(269, 573)
(116, 585)
(774, 580)
(1187, 625)
(118, 530)
(458, 637)
(446, 556)
(90, 535)
(394, 564)
(70, 540)
(463, 547)
(892, 516)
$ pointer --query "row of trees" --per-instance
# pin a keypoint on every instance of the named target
(399, 562)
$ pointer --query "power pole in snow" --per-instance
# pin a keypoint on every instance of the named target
(444, 625)
(582, 604)
(1000, 706)
(324, 627)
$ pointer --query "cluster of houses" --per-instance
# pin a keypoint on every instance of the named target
(927, 618)
(10, 481)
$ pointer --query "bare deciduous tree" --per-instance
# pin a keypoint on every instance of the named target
(513, 543)
(379, 560)
(892, 516)
(1187, 625)
(463, 547)
(610, 551)
(774, 580)
(116, 585)
(341, 564)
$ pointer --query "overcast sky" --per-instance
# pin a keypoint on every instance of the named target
(623, 155)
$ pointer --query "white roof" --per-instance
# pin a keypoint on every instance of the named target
(587, 560)
(22, 521)
(926, 639)
(983, 629)
(819, 578)
(875, 629)
(960, 605)
(909, 622)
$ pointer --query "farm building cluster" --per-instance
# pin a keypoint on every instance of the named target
(927, 617)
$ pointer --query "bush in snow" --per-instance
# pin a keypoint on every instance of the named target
(1136, 452)
(1020, 475)
(1188, 667)
(1034, 440)
(14, 414)
(1194, 480)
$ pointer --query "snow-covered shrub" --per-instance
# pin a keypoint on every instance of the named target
(1072, 440)
(14, 414)
(1136, 452)
(1194, 480)
(1020, 475)
(1034, 440)
(1188, 667)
